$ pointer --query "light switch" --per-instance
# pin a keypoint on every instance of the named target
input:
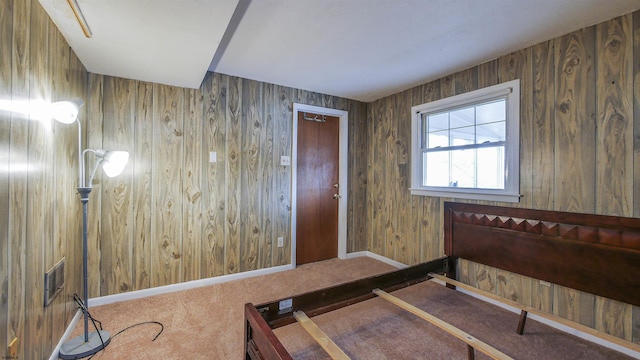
(213, 157)
(285, 160)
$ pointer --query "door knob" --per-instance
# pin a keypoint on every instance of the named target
(336, 196)
(336, 185)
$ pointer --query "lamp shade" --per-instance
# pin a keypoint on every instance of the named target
(66, 111)
(114, 162)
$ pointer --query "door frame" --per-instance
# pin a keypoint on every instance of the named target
(342, 174)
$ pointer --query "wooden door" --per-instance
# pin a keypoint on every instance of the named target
(317, 181)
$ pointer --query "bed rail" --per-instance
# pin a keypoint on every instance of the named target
(261, 343)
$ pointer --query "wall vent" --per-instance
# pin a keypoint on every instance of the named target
(53, 282)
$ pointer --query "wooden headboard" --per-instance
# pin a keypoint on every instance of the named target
(593, 253)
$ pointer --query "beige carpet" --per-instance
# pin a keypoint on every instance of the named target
(207, 323)
(376, 329)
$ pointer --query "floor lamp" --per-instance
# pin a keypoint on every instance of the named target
(113, 163)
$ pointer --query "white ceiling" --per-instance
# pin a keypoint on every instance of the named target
(164, 41)
(358, 49)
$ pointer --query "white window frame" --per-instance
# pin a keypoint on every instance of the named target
(511, 191)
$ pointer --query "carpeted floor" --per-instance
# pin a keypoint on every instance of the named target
(376, 329)
(207, 323)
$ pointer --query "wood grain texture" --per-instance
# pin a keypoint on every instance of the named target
(282, 118)
(417, 217)
(518, 66)
(574, 305)
(575, 139)
(6, 26)
(614, 318)
(614, 138)
(92, 139)
(542, 295)
(575, 122)
(488, 73)
(433, 205)
(213, 191)
(447, 86)
(147, 210)
(369, 202)
(635, 324)
(405, 241)
(268, 240)
(514, 287)
(40, 220)
(116, 235)
(168, 164)
(39, 225)
(426, 228)
(614, 146)
(464, 275)
(78, 88)
(569, 81)
(142, 164)
(465, 81)
(234, 170)
(61, 158)
(192, 185)
(390, 168)
(18, 180)
(54, 313)
(252, 233)
(543, 134)
(485, 277)
(358, 164)
(560, 149)
(376, 242)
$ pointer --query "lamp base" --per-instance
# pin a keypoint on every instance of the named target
(77, 348)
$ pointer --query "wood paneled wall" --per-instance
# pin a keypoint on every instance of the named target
(173, 216)
(579, 152)
(39, 211)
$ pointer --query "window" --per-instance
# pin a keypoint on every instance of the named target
(467, 146)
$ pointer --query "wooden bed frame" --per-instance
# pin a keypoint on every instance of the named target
(592, 253)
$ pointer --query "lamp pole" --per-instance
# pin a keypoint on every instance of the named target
(113, 163)
(88, 343)
(84, 199)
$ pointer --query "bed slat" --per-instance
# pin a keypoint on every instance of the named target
(529, 309)
(462, 335)
(320, 336)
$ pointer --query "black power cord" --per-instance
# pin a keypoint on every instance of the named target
(85, 310)
(142, 323)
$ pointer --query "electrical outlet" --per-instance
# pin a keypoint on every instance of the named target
(280, 241)
(285, 160)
